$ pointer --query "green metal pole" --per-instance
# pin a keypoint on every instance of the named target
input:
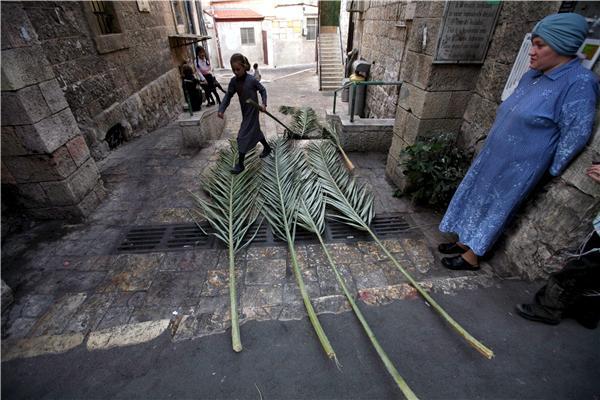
(353, 102)
(334, 99)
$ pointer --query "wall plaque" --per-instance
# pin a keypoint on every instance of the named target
(466, 31)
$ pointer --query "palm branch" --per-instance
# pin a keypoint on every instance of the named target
(281, 186)
(354, 206)
(232, 209)
(311, 216)
(330, 132)
(304, 121)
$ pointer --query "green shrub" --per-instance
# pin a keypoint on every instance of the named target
(434, 168)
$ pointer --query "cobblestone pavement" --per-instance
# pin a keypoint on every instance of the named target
(72, 288)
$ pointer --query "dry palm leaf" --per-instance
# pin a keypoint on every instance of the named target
(354, 206)
(232, 209)
(281, 187)
(311, 216)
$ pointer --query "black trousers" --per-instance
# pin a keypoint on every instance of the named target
(574, 291)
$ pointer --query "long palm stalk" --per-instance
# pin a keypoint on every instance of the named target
(232, 210)
(311, 216)
(353, 203)
(330, 132)
(281, 186)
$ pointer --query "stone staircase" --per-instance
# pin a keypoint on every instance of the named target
(330, 60)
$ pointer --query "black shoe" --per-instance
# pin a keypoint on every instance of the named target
(237, 169)
(537, 313)
(265, 153)
(451, 248)
(458, 264)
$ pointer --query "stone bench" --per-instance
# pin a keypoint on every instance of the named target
(200, 128)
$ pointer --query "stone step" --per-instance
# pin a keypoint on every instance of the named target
(331, 72)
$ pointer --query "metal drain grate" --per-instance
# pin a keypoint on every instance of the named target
(143, 239)
(339, 232)
(386, 225)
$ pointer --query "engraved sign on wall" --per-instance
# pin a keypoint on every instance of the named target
(466, 31)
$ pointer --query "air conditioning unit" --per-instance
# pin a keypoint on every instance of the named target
(356, 5)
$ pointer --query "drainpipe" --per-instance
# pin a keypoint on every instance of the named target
(218, 43)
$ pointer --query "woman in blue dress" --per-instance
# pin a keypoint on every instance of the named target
(541, 127)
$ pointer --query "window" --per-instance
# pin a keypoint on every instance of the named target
(247, 35)
(105, 17)
(178, 11)
(311, 28)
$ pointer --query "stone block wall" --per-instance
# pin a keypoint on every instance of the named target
(45, 159)
(433, 97)
(132, 73)
(381, 40)
(363, 134)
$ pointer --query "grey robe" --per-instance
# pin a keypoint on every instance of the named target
(249, 134)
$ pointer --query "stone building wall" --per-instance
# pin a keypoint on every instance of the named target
(45, 159)
(381, 41)
(131, 75)
(433, 97)
(64, 85)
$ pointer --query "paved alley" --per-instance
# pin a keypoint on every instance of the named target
(92, 321)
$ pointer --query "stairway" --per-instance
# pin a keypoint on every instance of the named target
(330, 61)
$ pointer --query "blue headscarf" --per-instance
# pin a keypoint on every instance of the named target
(563, 32)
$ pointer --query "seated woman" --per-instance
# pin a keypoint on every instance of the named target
(541, 127)
(190, 87)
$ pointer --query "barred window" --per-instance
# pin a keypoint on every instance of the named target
(105, 17)
(247, 35)
(311, 28)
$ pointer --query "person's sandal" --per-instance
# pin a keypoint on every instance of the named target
(459, 264)
(451, 248)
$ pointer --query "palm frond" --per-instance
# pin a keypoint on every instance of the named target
(232, 209)
(304, 121)
(311, 216)
(354, 206)
(352, 203)
(288, 110)
(282, 176)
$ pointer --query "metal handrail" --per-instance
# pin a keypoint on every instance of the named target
(354, 85)
(339, 31)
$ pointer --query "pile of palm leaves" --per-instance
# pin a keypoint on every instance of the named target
(294, 191)
(305, 124)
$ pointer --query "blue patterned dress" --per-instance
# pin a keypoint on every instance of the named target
(541, 127)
